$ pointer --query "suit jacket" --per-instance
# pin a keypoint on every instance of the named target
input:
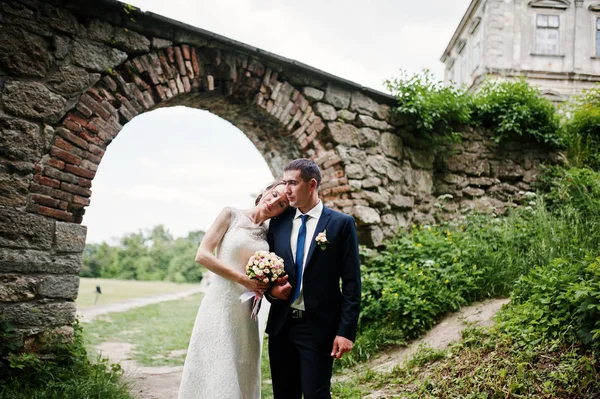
(331, 308)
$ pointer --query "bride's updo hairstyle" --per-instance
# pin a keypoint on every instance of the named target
(270, 186)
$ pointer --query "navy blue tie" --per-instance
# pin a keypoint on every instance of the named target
(300, 256)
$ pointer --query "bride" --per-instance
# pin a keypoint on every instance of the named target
(223, 359)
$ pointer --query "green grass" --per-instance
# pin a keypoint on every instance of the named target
(122, 290)
(488, 364)
(70, 374)
(150, 329)
(265, 370)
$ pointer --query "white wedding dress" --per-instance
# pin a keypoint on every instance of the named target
(223, 359)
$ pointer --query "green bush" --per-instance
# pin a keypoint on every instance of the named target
(574, 189)
(558, 301)
(509, 110)
(435, 108)
(516, 109)
(582, 129)
(426, 272)
(68, 374)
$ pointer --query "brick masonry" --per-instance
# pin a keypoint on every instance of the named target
(72, 76)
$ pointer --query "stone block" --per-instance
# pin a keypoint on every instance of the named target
(24, 230)
(483, 181)
(71, 80)
(507, 170)
(23, 53)
(452, 178)
(472, 192)
(371, 182)
(365, 215)
(355, 185)
(70, 237)
(17, 288)
(343, 133)
(382, 112)
(59, 287)
(45, 340)
(402, 202)
(100, 30)
(379, 164)
(368, 137)
(60, 19)
(420, 159)
(33, 261)
(60, 45)
(422, 181)
(354, 171)
(326, 111)
(158, 43)
(313, 94)
(33, 100)
(390, 219)
(391, 145)
(351, 155)
(14, 190)
(96, 57)
(336, 96)
(363, 104)
(364, 120)
(468, 164)
(346, 115)
(131, 42)
(39, 314)
(376, 200)
(372, 236)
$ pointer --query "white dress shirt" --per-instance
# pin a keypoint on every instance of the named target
(311, 225)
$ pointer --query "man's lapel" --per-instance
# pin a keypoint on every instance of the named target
(321, 225)
(285, 235)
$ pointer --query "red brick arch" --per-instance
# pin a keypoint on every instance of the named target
(274, 114)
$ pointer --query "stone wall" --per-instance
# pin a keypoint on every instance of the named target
(72, 74)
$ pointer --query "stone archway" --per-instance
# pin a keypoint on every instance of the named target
(72, 74)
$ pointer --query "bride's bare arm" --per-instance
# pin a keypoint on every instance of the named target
(206, 258)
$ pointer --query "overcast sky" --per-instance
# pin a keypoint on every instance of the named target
(180, 166)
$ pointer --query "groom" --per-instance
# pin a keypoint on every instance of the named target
(313, 317)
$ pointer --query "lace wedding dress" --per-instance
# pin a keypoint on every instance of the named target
(223, 359)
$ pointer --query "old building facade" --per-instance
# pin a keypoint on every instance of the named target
(555, 44)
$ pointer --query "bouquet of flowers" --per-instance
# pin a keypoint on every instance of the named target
(264, 266)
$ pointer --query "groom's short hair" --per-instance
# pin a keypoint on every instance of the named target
(307, 167)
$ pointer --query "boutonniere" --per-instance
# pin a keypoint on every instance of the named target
(321, 240)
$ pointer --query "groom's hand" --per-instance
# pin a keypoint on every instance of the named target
(341, 345)
(281, 289)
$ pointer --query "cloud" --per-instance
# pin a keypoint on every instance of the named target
(148, 163)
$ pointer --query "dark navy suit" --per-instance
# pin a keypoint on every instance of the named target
(300, 351)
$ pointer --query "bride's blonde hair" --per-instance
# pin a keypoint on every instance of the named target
(270, 186)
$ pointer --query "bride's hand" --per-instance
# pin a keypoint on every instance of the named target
(254, 285)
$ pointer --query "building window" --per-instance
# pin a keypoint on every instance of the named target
(475, 54)
(598, 36)
(547, 34)
(451, 71)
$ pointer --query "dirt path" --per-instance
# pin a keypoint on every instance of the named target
(89, 313)
(442, 335)
(146, 382)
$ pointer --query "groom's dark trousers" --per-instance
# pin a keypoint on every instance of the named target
(300, 343)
